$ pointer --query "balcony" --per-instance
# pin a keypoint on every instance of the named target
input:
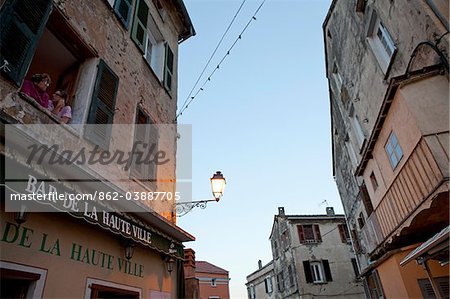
(417, 198)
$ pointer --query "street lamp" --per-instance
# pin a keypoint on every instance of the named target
(218, 183)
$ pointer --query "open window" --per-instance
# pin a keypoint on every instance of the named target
(43, 42)
(381, 42)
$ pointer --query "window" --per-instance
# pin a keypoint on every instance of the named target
(101, 112)
(280, 281)
(290, 275)
(21, 32)
(373, 181)
(285, 240)
(122, 8)
(251, 292)
(19, 281)
(356, 244)
(275, 248)
(32, 48)
(213, 282)
(364, 195)
(317, 271)
(381, 42)
(154, 49)
(373, 286)
(168, 68)
(393, 150)
(139, 29)
(146, 141)
(361, 221)
(268, 284)
(427, 289)
(97, 289)
(309, 233)
(343, 232)
(337, 79)
(355, 267)
(356, 125)
(160, 9)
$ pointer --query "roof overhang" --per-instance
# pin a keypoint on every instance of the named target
(188, 29)
(431, 249)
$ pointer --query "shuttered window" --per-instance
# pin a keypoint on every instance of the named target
(168, 68)
(343, 232)
(101, 113)
(22, 23)
(146, 138)
(122, 8)
(139, 29)
(317, 271)
(309, 233)
(427, 290)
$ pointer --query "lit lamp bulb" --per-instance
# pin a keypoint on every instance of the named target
(218, 185)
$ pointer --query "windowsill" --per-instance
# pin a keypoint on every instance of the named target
(140, 183)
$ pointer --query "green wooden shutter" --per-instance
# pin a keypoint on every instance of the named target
(139, 30)
(168, 68)
(122, 8)
(101, 113)
(22, 23)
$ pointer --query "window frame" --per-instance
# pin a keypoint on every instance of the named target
(268, 284)
(317, 272)
(315, 232)
(394, 146)
(135, 174)
(379, 48)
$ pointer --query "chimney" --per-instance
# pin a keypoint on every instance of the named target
(189, 263)
(330, 212)
(259, 264)
(280, 211)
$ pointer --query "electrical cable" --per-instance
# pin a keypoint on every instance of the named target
(214, 52)
(185, 106)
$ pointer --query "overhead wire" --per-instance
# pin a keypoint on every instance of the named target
(213, 53)
(189, 101)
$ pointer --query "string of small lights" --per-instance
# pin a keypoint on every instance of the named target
(192, 97)
(213, 53)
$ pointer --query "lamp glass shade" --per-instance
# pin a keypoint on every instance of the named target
(218, 185)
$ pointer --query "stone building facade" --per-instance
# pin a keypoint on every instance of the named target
(260, 283)
(117, 61)
(387, 68)
(312, 256)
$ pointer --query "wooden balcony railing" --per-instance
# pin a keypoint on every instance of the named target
(422, 173)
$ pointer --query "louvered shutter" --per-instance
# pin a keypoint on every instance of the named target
(22, 23)
(138, 169)
(153, 138)
(122, 8)
(168, 68)
(301, 234)
(307, 269)
(326, 268)
(317, 235)
(139, 30)
(342, 233)
(101, 113)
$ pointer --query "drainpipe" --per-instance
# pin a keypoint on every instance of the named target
(423, 262)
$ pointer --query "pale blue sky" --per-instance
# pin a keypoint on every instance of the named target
(263, 120)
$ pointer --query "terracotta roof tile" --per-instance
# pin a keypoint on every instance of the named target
(205, 267)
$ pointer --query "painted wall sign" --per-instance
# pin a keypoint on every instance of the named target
(26, 237)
